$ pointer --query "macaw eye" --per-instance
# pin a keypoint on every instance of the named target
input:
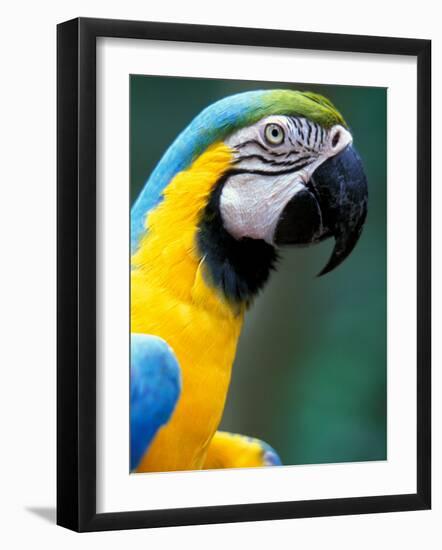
(274, 134)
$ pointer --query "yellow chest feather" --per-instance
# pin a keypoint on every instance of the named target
(171, 298)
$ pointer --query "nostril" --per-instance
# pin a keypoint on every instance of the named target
(335, 139)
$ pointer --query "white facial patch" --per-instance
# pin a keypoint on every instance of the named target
(275, 158)
(251, 205)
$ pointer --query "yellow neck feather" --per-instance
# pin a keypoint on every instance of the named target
(168, 255)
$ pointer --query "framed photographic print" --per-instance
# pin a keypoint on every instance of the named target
(243, 274)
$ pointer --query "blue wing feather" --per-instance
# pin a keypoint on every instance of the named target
(270, 457)
(155, 384)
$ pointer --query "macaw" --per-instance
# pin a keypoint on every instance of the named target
(253, 172)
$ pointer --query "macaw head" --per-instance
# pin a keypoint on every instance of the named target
(295, 179)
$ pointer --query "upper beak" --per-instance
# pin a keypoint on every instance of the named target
(333, 203)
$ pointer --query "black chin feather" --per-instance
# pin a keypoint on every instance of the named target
(238, 268)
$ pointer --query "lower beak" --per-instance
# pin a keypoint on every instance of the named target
(332, 204)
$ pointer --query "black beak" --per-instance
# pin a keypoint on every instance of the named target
(333, 204)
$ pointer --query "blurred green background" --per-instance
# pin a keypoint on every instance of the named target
(310, 372)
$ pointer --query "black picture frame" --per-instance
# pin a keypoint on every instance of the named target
(76, 273)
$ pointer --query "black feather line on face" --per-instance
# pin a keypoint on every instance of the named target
(238, 268)
(293, 163)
